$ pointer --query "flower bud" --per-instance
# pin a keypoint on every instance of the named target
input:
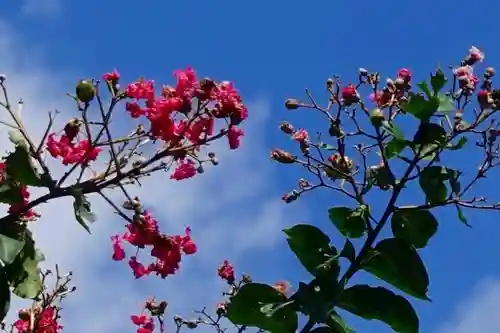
(400, 83)
(489, 72)
(286, 128)
(246, 278)
(377, 117)
(191, 324)
(290, 196)
(329, 83)
(24, 314)
(292, 104)
(362, 71)
(282, 156)
(85, 91)
(221, 309)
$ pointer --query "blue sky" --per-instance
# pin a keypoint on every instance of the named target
(271, 51)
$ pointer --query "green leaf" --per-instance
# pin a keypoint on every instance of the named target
(393, 130)
(20, 167)
(454, 180)
(445, 104)
(461, 216)
(4, 297)
(396, 262)
(431, 181)
(348, 251)
(394, 148)
(316, 298)
(310, 245)
(23, 273)
(83, 212)
(337, 324)
(350, 222)
(459, 145)
(416, 226)
(425, 88)
(377, 303)
(10, 192)
(9, 249)
(430, 133)
(419, 107)
(438, 81)
(250, 307)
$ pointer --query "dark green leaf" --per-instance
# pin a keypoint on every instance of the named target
(377, 303)
(393, 130)
(394, 148)
(10, 192)
(317, 298)
(431, 181)
(23, 273)
(454, 179)
(445, 104)
(430, 133)
(416, 226)
(459, 145)
(398, 263)
(348, 251)
(4, 297)
(350, 222)
(421, 108)
(83, 212)
(335, 322)
(9, 249)
(20, 167)
(310, 245)
(250, 307)
(438, 80)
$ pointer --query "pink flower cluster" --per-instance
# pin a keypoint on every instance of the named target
(166, 250)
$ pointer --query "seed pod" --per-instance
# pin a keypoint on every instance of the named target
(377, 117)
(85, 91)
(292, 104)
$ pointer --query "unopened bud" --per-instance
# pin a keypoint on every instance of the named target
(292, 104)
(200, 169)
(290, 196)
(221, 309)
(489, 72)
(191, 324)
(178, 319)
(246, 278)
(3, 77)
(400, 83)
(377, 117)
(85, 91)
(362, 71)
(140, 130)
(390, 83)
(282, 156)
(286, 128)
(24, 314)
(329, 83)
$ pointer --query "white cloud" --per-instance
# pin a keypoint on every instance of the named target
(478, 312)
(232, 209)
(41, 8)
